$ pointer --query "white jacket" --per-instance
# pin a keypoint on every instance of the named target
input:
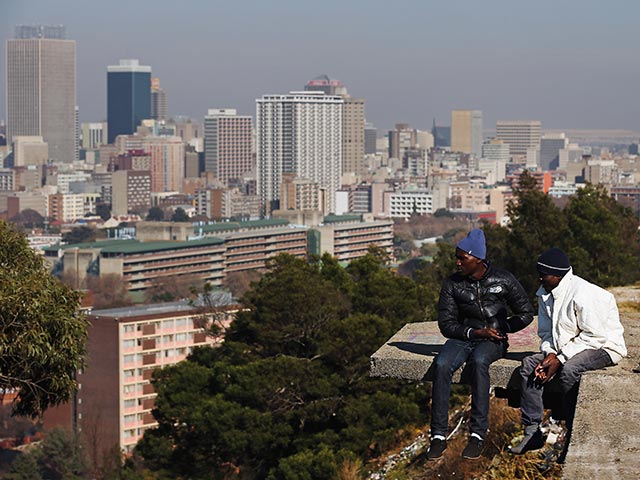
(576, 316)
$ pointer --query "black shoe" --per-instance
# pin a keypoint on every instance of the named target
(531, 441)
(473, 448)
(436, 449)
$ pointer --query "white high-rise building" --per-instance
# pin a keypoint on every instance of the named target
(521, 135)
(227, 145)
(298, 133)
(41, 89)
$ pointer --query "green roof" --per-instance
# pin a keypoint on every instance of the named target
(217, 227)
(225, 226)
(342, 218)
(142, 247)
(99, 244)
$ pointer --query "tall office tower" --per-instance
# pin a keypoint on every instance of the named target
(300, 133)
(353, 125)
(550, 146)
(131, 191)
(167, 162)
(401, 139)
(41, 89)
(158, 100)
(370, 137)
(441, 135)
(128, 97)
(495, 149)
(353, 136)
(227, 145)
(519, 134)
(466, 131)
(77, 132)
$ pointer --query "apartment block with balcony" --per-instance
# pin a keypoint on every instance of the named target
(347, 237)
(112, 407)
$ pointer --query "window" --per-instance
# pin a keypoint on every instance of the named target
(130, 403)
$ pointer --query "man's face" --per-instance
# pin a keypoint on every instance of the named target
(467, 264)
(549, 282)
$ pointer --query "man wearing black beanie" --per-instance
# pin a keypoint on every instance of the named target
(579, 329)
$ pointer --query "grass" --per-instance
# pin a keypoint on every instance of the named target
(496, 463)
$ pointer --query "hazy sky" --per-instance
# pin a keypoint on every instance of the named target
(569, 63)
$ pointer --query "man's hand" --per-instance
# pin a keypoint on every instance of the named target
(488, 333)
(547, 368)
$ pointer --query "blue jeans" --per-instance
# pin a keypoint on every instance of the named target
(566, 380)
(479, 354)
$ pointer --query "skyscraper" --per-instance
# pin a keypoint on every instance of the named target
(299, 133)
(158, 101)
(128, 97)
(466, 131)
(353, 122)
(521, 135)
(227, 145)
(550, 146)
(41, 89)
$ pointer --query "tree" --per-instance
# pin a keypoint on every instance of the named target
(42, 332)
(604, 238)
(180, 216)
(24, 467)
(109, 291)
(80, 234)
(287, 395)
(156, 214)
(59, 457)
(239, 283)
(535, 225)
(174, 287)
(62, 457)
(28, 219)
(103, 211)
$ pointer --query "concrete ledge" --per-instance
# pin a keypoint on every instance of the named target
(410, 353)
(606, 435)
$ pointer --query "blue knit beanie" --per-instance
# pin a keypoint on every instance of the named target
(553, 262)
(474, 244)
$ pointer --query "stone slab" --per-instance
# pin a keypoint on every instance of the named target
(605, 443)
(606, 436)
(410, 353)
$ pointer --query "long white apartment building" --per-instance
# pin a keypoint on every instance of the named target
(404, 203)
(298, 133)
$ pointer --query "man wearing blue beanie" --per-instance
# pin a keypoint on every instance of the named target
(579, 328)
(473, 315)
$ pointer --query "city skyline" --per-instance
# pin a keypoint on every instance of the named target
(568, 65)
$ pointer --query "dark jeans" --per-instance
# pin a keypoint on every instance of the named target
(479, 354)
(566, 381)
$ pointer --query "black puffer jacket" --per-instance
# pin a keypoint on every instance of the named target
(467, 304)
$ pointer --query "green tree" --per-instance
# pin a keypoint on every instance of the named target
(103, 211)
(604, 238)
(180, 216)
(24, 467)
(42, 332)
(28, 219)
(80, 234)
(156, 214)
(535, 225)
(62, 457)
(279, 397)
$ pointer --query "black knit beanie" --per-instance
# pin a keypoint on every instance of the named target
(553, 262)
